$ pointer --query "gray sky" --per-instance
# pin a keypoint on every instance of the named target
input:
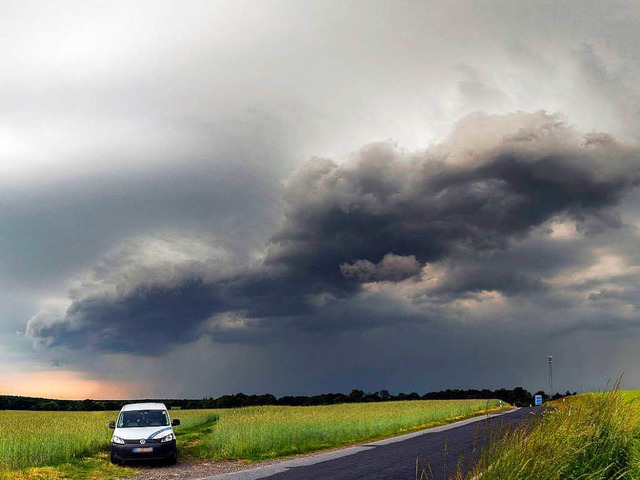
(200, 198)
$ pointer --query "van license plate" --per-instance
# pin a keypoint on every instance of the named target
(143, 450)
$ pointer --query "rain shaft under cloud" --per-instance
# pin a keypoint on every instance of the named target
(384, 216)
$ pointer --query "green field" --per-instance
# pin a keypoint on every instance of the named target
(75, 443)
(35, 439)
(258, 433)
(590, 436)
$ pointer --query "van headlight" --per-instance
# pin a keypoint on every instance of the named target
(115, 439)
(168, 438)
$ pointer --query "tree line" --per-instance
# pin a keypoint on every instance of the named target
(517, 396)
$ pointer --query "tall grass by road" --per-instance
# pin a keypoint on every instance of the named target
(258, 433)
(590, 436)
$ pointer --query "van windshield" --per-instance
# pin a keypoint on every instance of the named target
(143, 418)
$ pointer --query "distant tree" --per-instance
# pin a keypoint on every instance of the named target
(49, 405)
(518, 396)
(408, 396)
(356, 395)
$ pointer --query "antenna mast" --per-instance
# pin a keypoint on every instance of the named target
(550, 362)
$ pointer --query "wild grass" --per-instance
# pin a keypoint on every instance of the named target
(38, 439)
(258, 433)
(588, 437)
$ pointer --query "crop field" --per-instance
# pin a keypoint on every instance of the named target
(40, 439)
(50, 438)
(258, 433)
(589, 436)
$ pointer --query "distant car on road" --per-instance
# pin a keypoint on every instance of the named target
(144, 431)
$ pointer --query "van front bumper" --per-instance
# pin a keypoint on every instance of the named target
(133, 451)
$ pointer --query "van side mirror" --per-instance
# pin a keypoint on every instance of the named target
(175, 422)
(112, 424)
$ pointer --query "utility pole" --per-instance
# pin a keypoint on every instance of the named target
(550, 362)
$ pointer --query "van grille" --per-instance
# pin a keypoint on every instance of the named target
(137, 442)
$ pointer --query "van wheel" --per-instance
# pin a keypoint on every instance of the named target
(173, 459)
(114, 460)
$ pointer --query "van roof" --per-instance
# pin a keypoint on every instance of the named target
(144, 406)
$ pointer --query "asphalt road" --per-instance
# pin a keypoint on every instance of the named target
(439, 452)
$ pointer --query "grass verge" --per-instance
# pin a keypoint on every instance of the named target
(587, 437)
(96, 467)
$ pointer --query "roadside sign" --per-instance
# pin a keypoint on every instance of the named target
(538, 400)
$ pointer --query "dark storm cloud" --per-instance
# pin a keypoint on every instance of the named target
(496, 178)
(522, 272)
(380, 217)
(609, 298)
(472, 279)
(392, 268)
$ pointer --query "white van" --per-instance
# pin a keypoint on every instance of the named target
(144, 431)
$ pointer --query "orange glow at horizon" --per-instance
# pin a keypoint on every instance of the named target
(62, 385)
